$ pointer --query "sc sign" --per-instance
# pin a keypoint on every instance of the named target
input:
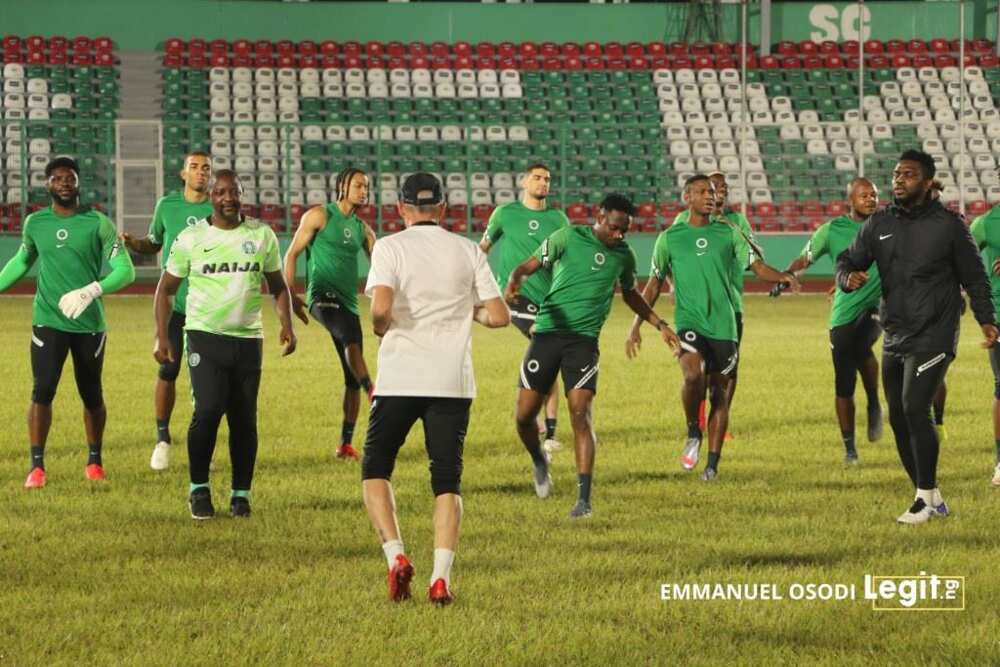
(837, 25)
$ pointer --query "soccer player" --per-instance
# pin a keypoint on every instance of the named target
(854, 322)
(985, 231)
(71, 243)
(523, 225)
(225, 261)
(700, 252)
(427, 286)
(924, 253)
(331, 237)
(738, 220)
(174, 213)
(586, 263)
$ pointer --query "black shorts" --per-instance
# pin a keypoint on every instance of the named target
(345, 329)
(851, 345)
(576, 356)
(49, 348)
(446, 421)
(523, 314)
(720, 356)
(175, 333)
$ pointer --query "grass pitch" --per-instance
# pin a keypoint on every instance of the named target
(116, 573)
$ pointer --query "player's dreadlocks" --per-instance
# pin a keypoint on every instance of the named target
(343, 181)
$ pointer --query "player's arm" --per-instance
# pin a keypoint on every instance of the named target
(153, 241)
(282, 306)
(19, 265)
(650, 293)
(773, 275)
(166, 288)
(816, 247)
(641, 307)
(75, 302)
(312, 222)
(370, 238)
(853, 263)
(974, 279)
(494, 230)
(518, 276)
(490, 309)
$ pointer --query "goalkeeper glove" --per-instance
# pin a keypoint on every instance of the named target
(73, 303)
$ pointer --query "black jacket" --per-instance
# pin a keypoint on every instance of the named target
(923, 256)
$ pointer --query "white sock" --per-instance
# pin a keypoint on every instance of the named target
(927, 495)
(936, 498)
(392, 548)
(443, 558)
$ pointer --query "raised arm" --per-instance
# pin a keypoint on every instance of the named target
(313, 221)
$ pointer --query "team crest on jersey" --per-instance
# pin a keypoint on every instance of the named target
(192, 220)
(347, 233)
(533, 225)
(701, 243)
(249, 247)
(194, 359)
(62, 234)
(599, 258)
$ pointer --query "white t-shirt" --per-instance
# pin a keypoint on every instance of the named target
(437, 277)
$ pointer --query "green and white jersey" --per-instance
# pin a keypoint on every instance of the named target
(583, 281)
(332, 260)
(986, 232)
(700, 262)
(833, 238)
(174, 214)
(71, 251)
(523, 230)
(225, 268)
(739, 221)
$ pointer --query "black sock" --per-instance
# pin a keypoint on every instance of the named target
(366, 384)
(694, 431)
(938, 416)
(873, 406)
(550, 429)
(93, 454)
(583, 486)
(163, 430)
(346, 433)
(997, 445)
(848, 437)
(713, 460)
(38, 456)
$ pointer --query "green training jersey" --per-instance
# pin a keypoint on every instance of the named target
(71, 251)
(523, 230)
(739, 221)
(583, 280)
(332, 260)
(174, 214)
(700, 261)
(833, 238)
(224, 268)
(986, 231)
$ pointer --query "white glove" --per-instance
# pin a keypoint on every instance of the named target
(73, 303)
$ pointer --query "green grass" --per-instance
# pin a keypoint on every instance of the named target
(118, 573)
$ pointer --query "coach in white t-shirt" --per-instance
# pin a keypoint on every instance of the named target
(427, 286)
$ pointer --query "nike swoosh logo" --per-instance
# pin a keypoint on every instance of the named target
(209, 249)
(60, 245)
(595, 268)
(699, 254)
(883, 237)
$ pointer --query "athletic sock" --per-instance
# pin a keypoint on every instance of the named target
(713, 460)
(391, 549)
(38, 456)
(240, 493)
(938, 416)
(550, 429)
(346, 433)
(583, 486)
(694, 431)
(848, 438)
(163, 430)
(997, 442)
(194, 487)
(443, 558)
(927, 495)
(93, 454)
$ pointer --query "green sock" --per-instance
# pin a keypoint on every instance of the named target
(241, 493)
(198, 486)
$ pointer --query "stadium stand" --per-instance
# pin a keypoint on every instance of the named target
(59, 97)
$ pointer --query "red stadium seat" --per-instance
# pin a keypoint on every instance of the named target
(704, 62)
(571, 50)
(485, 50)
(812, 62)
(460, 226)
(640, 62)
(660, 62)
(787, 48)
(368, 213)
(769, 62)
(552, 64)
(11, 43)
(329, 48)
(170, 61)
(437, 62)
(58, 43)
(463, 49)
(722, 49)
(765, 210)
(219, 60)
(242, 47)
(874, 46)
(36, 58)
(296, 212)
(649, 224)
(482, 212)
(271, 212)
(417, 49)
(915, 46)
(851, 47)
(215, 46)
(392, 226)
(989, 60)
(679, 49)
(683, 62)
(308, 61)
(788, 210)
(573, 63)
(528, 49)
(894, 46)
(484, 63)
(353, 49)
(594, 63)
(35, 43)
(61, 58)
(263, 47)
(725, 62)
(700, 49)
(879, 62)
(978, 45)
(671, 210)
(466, 62)
(939, 46)
(901, 60)
(104, 59)
(375, 49)
(978, 207)
(656, 49)
(945, 61)
(353, 62)
(614, 50)
(331, 60)
(173, 46)
(808, 47)
(616, 64)
(577, 212)
(83, 58)
(647, 210)
(83, 45)
(286, 60)
(812, 208)
(769, 226)
(439, 50)
(309, 48)
(592, 50)
(794, 226)
(549, 50)
(507, 50)
(392, 63)
(836, 208)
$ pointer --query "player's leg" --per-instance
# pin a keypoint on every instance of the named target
(732, 380)
(691, 362)
(940, 398)
(551, 414)
(209, 359)
(165, 393)
(995, 365)
(892, 383)
(88, 366)
(580, 365)
(344, 328)
(718, 421)
(241, 415)
(446, 422)
(923, 374)
(537, 374)
(390, 422)
(48, 354)
(845, 378)
(351, 403)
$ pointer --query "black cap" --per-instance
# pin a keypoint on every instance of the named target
(63, 161)
(421, 189)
